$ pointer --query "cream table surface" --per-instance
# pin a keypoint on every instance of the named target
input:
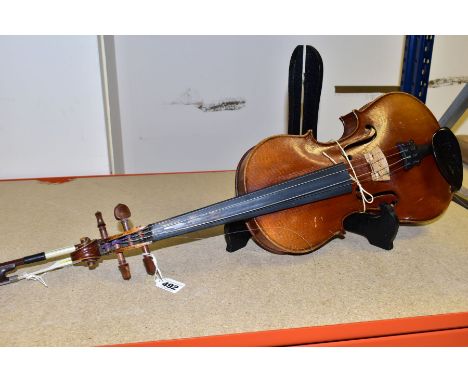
(250, 290)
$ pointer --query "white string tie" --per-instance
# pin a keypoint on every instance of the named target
(158, 271)
(366, 196)
(35, 275)
(329, 157)
(32, 276)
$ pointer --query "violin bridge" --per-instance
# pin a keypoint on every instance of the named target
(378, 164)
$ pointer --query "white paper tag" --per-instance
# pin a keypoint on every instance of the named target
(169, 285)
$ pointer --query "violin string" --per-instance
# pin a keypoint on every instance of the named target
(147, 235)
(366, 163)
(363, 160)
(278, 228)
(167, 223)
(355, 165)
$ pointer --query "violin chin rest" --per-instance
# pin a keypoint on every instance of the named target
(447, 154)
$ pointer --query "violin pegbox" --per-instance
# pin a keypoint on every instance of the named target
(122, 214)
(124, 267)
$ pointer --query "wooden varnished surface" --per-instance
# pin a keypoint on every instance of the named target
(419, 194)
(251, 290)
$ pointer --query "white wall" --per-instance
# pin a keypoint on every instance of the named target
(160, 134)
(449, 59)
(51, 108)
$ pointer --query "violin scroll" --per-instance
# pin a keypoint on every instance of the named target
(87, 251)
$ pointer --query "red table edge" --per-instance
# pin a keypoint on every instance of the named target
(372, 331)
(444, 338)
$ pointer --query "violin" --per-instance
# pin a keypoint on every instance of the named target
(294, 192)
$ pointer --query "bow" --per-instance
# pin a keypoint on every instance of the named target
(89, 251)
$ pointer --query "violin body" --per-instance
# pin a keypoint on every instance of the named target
(418, 194)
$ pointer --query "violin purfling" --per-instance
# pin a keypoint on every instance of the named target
(294, 193)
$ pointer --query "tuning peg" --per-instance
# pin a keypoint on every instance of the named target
(149, 265)
(148, 261)
(124, 268)
(122, 214)
(101, 225)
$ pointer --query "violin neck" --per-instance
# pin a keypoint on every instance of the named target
(315, 186)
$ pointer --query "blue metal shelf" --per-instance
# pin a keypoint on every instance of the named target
(416, 65)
